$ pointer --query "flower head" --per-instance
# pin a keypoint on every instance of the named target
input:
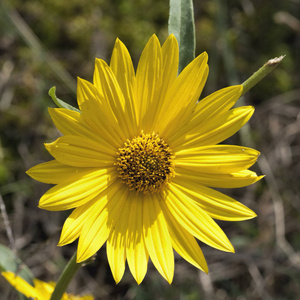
(40, 291)
(139, 162)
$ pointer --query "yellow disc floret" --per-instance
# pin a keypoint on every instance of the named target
(145, 163)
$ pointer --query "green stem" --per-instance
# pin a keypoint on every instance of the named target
(269, 66)
(65, 278)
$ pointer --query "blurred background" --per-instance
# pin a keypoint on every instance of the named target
(45, 43)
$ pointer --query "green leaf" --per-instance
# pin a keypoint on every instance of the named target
(59, 102)
(181, 24)
(10, 262)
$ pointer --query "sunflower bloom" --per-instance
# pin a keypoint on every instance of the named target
(139, 162)
(40, 291)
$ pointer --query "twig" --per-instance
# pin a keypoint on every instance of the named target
(207, 285)
(7, 225)
(259, 281)
(278, 213)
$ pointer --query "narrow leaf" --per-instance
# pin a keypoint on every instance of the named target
(181, 24)
(10, 262)
(59, 102)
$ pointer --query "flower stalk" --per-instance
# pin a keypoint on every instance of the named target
(269, 66)
(65, 278)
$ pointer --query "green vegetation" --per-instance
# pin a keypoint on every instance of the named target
(49, 43)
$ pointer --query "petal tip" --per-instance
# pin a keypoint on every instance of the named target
(50, 109)
(117, 280)
(254, 215)
(154, 40)
(173, 38)
(170, 280)
(48, 146)
(241, 88)
(100, 62)
(205, 269)
(250, 214)
(205, 56)
(251, 108)
(228, 247)
(80, 257)
(41, 204)
(138, 277)
(259, 178)
(138, 280)
(44, 204)
(80, 80)
(118, 44)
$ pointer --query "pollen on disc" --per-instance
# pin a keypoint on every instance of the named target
(145, 163)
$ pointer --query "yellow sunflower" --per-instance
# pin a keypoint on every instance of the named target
(40, 291)
(138, 162)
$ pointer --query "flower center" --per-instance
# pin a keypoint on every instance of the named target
(145, 163)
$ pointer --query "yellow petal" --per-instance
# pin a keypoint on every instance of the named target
(170, 59)
(66, 121)
(233, 180)
(98, 226)
(70, 193)
(148, 82)
(87, 92)
(122, 67)
(217, 102)
(182, 96)
(137, 255)
(216, 204)
(195, 220)
(113, 100)
(115, 249)
(157, 238)
(20, 284)
(116, 243)
(54, 172)
(97, 114)
(78, 151)
(222, 159)
(93, 235)
(70, 122)
(74, 223)
(184, 243)
(43, 289)
(209, 108)
(212, 132)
